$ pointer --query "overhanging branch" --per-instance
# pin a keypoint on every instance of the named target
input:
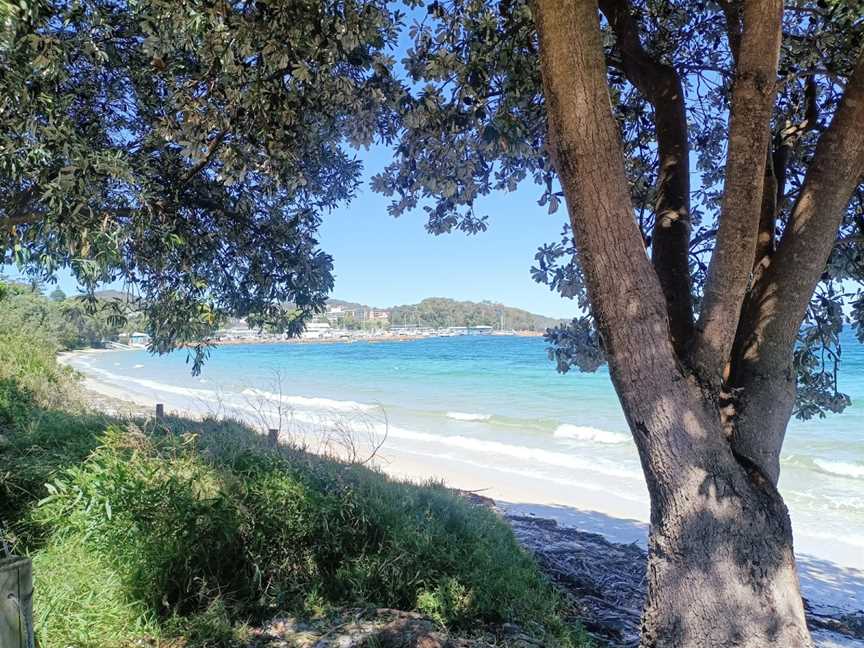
(208, 156)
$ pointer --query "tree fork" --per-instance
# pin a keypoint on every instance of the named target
(661, 86)
(721, 566)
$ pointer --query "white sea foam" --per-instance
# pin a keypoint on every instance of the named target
(523, 453)
(585, 433)
(465, 416)
(153, 385)
(482, 451)
(841, 468)
(138, 366)
(310, 403)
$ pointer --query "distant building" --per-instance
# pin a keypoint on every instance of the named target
(376, 314)
(139, 339)
(338, 313)
(316, 330)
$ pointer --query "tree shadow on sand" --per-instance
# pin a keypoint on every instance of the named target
(606, 572)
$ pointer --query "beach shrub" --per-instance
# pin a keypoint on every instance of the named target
(206, 519)
(30, 374)
(43, 428)
(15, 404)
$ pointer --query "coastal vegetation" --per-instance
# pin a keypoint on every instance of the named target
(442, 312)
(199, 530)
(184, 148)
(68, 323)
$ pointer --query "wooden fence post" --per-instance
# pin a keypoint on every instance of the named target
(160, 410)
(273, 437)
(16, 602)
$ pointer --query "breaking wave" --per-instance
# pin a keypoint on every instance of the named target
(585, 433)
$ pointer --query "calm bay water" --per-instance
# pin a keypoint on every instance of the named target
(497, 401)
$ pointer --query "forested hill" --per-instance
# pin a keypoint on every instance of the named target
(440, 312)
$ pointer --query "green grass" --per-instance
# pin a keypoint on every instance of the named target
(81, 599)
(195, 529)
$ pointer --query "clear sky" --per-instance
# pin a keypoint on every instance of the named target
(382, 261)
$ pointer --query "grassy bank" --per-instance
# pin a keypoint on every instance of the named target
(195, 530)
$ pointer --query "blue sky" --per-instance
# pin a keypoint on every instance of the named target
(381, 260)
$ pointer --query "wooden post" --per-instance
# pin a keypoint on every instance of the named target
(273, 437)
(16, 602)
(160, 410)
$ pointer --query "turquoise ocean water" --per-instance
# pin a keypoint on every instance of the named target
(496, 401)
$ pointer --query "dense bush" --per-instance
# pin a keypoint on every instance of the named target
(15, 404)
(197, 517)
(65, 323)
(42, 433)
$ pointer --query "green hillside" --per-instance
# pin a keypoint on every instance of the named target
(440, 312)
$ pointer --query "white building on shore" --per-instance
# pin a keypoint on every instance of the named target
(316, 331)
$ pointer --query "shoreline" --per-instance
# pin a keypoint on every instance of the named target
(827, 584)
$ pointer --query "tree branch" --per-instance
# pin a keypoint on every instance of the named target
(768, 214)
(762, 371)
(202, 164)
(585, 146)
(749, 134)
(661, 86)
(732, 14)
(789, 136)
(14, 221)
(21, 212)
(775, 176)
(779, 300)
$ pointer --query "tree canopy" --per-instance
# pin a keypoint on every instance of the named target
(477, 123)
(188, 149)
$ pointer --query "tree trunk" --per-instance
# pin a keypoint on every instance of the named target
(721, 569)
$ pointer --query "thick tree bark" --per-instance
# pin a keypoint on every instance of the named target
(670, 239)
(762, 371)
(753, 95)
(721, 569)
(721, 566)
